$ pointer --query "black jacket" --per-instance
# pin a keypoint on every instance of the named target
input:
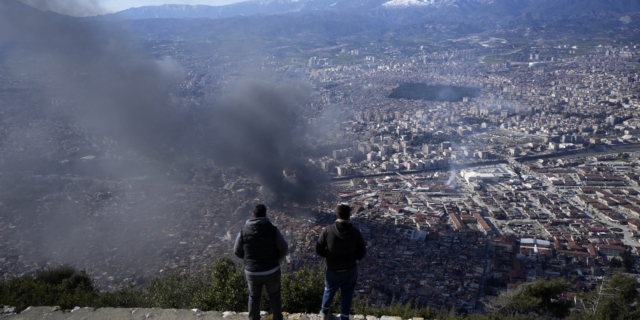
(342, 244)
(260, 244)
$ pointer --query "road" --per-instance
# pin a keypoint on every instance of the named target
(628, 236)
(450, 167)
(598, 150)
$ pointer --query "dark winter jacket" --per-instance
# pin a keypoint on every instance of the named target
(342, 244)
(261, 245)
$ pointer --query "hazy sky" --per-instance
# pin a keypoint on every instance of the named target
(117, 5)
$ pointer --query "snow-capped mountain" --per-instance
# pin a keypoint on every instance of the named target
(433, 3)
(408, 3)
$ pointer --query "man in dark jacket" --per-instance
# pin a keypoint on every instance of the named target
(262, 247)
(341, 244)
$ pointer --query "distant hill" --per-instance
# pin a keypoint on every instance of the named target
(374, 20)
(17, 20)
(452, 18)
(410, 10)
(176, 11)
(245, 8)
(323, 26)
(579, 7)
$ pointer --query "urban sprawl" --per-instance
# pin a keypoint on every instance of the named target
(523, 164)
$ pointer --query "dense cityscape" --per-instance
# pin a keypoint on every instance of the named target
(472, 165)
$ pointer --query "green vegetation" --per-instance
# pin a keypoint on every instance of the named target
(499, 215)
(63, 286)
(223, 288)
(615, 298)
(343, 58)
(624, 259)
(540, 297)
(492, 59)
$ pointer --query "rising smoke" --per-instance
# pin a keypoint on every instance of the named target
(108, 84)
(257, 127)
(111, 87)
(68, 7)
(92, 75)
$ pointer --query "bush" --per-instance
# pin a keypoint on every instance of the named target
(223, 288)
(614, 298)
(62, 286)
(175, 291)
(227, 289)
(125, 298)
(540, 297)
(302, 290)
(405, 311)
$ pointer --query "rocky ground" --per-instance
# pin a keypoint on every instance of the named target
(55, 313)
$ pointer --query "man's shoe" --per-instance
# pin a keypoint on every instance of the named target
(325, 315)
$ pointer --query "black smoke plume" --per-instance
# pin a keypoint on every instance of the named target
(258, 127)
(68, 7)
(110, 86)
(85, 80)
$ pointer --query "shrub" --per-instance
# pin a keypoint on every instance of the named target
(405, 311)
(223, 288)
(302, 290)
(125, 298)
(62, 286)
(540, 297)
(227, 289)
(175, 291)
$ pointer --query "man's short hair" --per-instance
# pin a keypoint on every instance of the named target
(260, 211)
(343, 211)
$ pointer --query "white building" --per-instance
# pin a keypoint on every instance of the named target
(486, 174)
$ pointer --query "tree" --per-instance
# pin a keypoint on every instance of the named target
(615, 263)
(627, 260)
(541, 296)
(175, 291)
(504, 303)
(499, 215)
(614, 298)
(62, 286)
(302, 290)
(227, 290)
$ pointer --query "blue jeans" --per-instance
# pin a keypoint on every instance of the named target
(346, 282)
(272, 283)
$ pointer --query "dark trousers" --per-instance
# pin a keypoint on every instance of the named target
(345, 280)
(272, 283)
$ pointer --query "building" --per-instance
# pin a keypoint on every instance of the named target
(486, 174)
(610, 250)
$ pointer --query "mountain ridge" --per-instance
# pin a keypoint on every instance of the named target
(433, 9)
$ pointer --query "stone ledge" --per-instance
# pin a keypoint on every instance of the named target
(54, 313)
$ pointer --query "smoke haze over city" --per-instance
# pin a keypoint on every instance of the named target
(94, 77)
(499, 139)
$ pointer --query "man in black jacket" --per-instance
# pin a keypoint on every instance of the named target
(341, 244)
(261, 245)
